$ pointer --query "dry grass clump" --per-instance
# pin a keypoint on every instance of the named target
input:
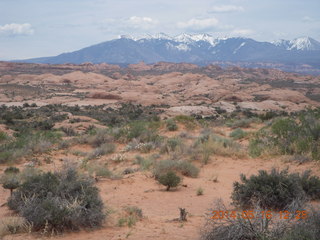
(132, 214)
(209, 144)
(104, 149)
(13, 225)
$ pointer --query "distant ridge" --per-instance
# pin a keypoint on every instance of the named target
(192, 48)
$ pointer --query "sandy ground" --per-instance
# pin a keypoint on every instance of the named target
(161, 207)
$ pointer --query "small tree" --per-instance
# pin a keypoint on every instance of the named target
(170, 179)
(10, 179)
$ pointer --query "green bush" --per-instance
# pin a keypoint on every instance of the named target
(274, 190)
(11, 170)
(58, 201)
(28, 142)
(290, 135)
(306, 229)
(171, 125)
(173, 143)
(99, 137)
(169, 179)
(104, 149)
(188, 121)
(310, 184)
(238, 134)
(3, 136)
(240, 123)
(145, 163)
(185, 168)
(10, 179)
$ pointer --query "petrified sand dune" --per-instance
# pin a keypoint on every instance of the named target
(175, 85)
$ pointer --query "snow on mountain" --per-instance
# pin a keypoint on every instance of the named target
(238, 48)
(191, 48)
(181, 47)
(302, 43)
(282, 43)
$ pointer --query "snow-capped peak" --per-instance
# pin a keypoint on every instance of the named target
(155, 36)
(189, 38)
(302, 43)
(127, 37)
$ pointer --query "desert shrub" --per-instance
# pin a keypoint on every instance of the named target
(189, 121)
(268, 115)
(99, 137)
(260, 227)
(171, 125)
(58, 201)
(64, 144)
(134, 210)
(207, 145)
(185, 168)
(136, 129)
(169, 179)
(145, 163)
(238, 134)
(240, 123)
(103, 172)
(144, 147)
(132, 215)
(143, 132)
(69, 131)
(275, 190)
(11, 170)
(104, 149)
(163, 166)
(199, 191)
(3, 136)
(293, 136)
(298, 158)
(128, 171)
(310, 184)
(10, 179)
(119, 158)
(308, 229)
(26, 143)
(173, 145)
(98, 170)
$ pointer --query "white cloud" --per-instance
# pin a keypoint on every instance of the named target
(141, 22)
(199, 24)
(242, 32)
(226, 9)
(15, 29)
(128, 24)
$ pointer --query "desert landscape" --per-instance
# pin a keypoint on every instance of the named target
(128, 128)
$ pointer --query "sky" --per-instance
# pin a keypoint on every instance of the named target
(38, 28)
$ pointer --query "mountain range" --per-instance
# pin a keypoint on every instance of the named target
(199, 49)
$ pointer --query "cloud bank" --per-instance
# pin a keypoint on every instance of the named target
(199, 24)
(226, 9)
(15, 29)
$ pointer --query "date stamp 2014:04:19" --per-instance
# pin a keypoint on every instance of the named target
(267, 214)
